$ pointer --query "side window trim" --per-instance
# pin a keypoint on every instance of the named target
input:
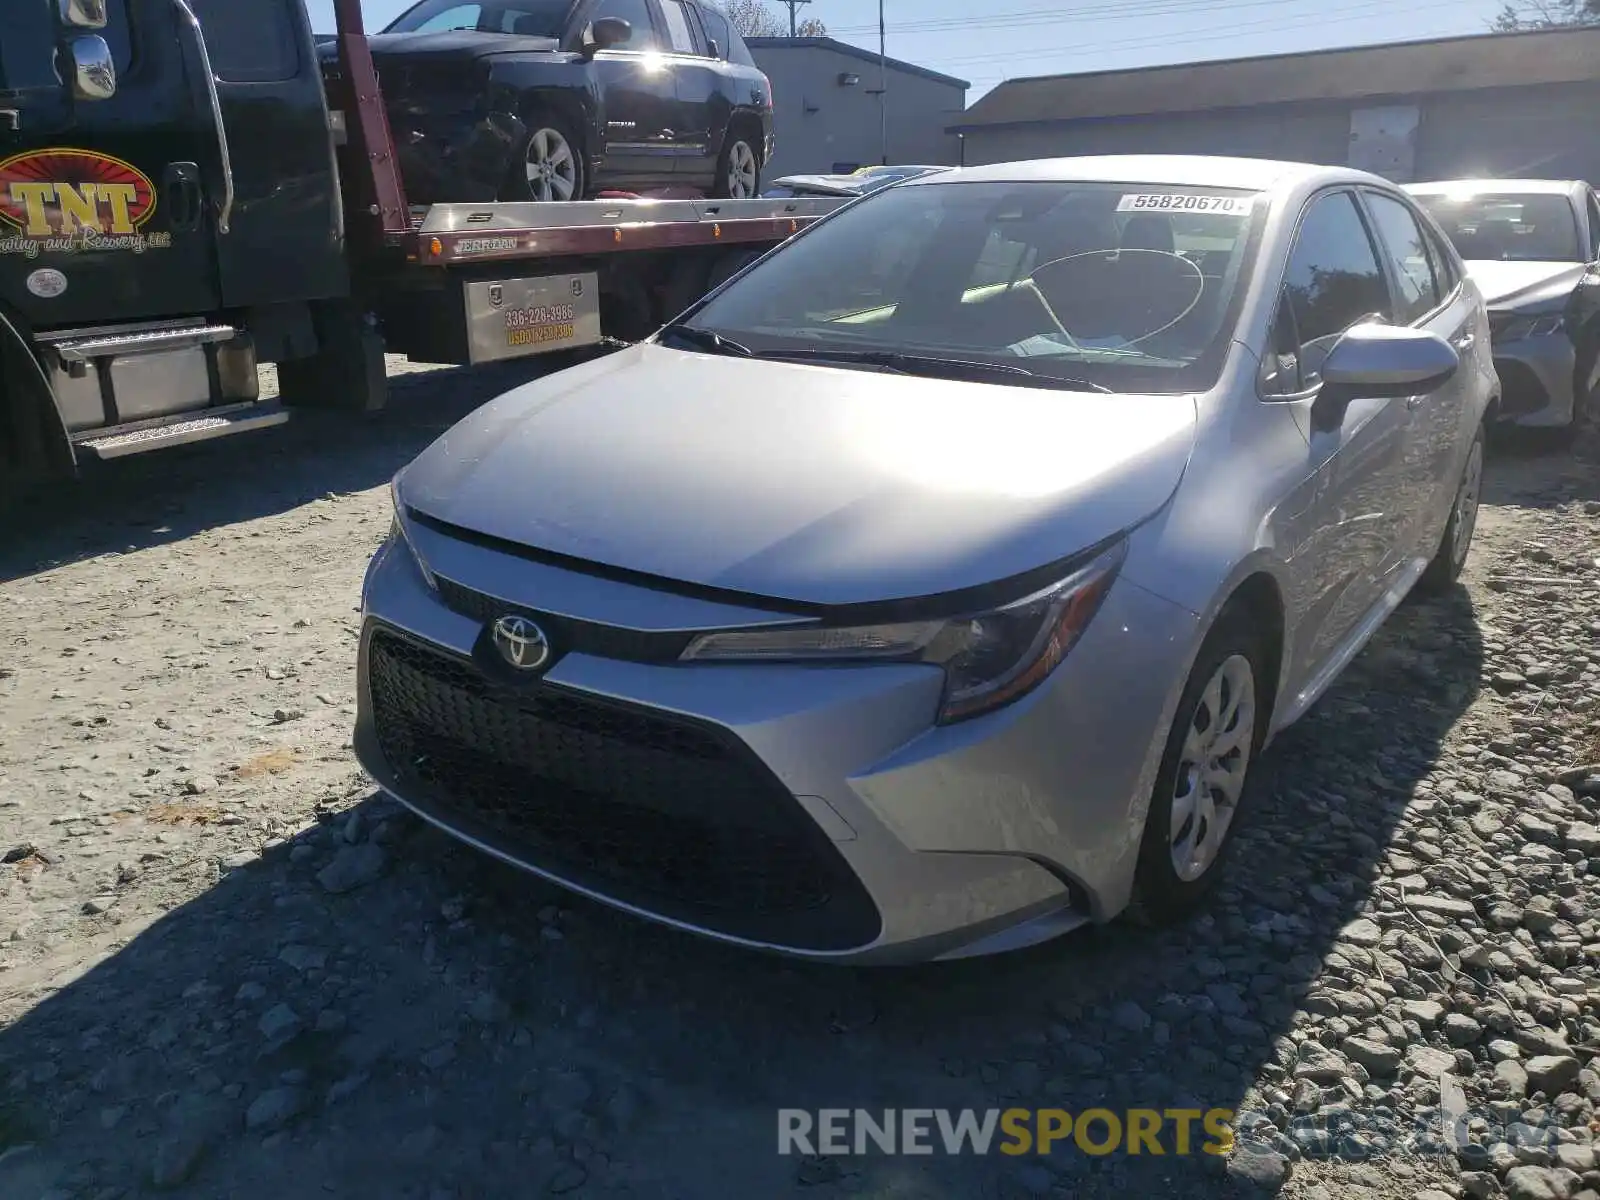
(694, 50)
(1388, 260)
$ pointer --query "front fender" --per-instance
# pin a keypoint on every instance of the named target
(31, 421)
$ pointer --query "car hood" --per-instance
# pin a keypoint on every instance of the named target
(1508, 283)
(800, 482)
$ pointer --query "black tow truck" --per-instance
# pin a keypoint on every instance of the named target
(187, 192)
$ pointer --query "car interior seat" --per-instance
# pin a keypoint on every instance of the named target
(1148, 232)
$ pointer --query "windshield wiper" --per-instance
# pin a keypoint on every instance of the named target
(933, 366)
(707, 340)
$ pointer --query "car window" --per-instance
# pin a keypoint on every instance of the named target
(28, 48)
(1022, 273)
(1444, 267)
(436, 18)
(716, 29)
(679, 33)
(1594, 227)
(637, 14)
(1407, 251)
(1508, 226)
(1332, 281)
(251, 43)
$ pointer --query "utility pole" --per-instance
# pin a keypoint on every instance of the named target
(883, 91)
(793, 6)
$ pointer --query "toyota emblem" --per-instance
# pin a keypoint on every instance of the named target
(521, 643)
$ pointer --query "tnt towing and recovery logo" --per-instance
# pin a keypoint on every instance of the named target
(64, 201)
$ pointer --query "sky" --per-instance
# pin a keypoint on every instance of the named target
(1030, 37)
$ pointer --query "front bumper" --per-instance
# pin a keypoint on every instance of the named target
(1536, 379)
(813, 811)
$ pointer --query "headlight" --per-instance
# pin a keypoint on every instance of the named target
(400, 535)
(989, 658)
(1514, 327)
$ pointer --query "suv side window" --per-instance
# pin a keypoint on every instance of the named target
(1332, 281)
(679, 31)
(251, 43)
(1402, 237)
(637, 14)
(716, 29)
(28, 47)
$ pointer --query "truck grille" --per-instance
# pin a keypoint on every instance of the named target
(668, 815)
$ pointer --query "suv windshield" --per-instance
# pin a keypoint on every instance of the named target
(1124, 287)
(535, 18)
(1510, 226)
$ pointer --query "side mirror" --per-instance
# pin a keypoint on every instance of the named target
(1385, 361)
(83, 14)
(606, 33)
(94, 74)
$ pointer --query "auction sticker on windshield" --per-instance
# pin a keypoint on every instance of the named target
(1228, 206)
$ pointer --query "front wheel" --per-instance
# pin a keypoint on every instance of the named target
(1451, 556)
(1216, 732)
(738, 169)
(548, 165)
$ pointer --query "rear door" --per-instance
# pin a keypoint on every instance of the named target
(700, 83)
(1424, 300)
(284, 238)
(93, 226)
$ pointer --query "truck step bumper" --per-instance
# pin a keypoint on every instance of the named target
(106, 444)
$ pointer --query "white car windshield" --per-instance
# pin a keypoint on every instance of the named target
(1125, 287)
(1508, 226)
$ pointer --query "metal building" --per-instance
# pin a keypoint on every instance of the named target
(834, 109)
(1522, 104)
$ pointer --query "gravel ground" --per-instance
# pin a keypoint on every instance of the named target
(227, 968)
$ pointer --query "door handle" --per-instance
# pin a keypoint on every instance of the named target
(11, 118)
(181, 183)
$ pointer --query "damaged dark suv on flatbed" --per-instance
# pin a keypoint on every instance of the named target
(559, 99)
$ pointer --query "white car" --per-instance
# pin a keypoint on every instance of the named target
(1533, 246)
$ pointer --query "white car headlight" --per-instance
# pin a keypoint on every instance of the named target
(989, 658)
(1514, 327)
(400, 534)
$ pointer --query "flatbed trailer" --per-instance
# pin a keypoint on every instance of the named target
(147, 270)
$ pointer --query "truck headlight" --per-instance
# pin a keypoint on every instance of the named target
(989, 658)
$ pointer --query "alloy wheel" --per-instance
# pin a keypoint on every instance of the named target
(552, 167)
(741, 171)
(1466, 509)
(1212, 767)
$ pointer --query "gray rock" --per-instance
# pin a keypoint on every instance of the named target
(488, 1009)
(1265, 1169)
(1535, 1039)
(1511, 1078)
(1575, 1156)
(1128, 1015)
(303, 958)
(568, 1177)
(1584, 838)
(249, 992)
(1552, 1074)
(1536, 1183)
(1480, 1185)
(1377, 1058)
(177, 1155)
(1319, 1064)
(274, 1108)
(199, 785)
(1430, 1063)
(1361, 932)
(241, 859)
(1452, 907)
(1433, 1194)
(1426, 1013)
(278, 1023)
(353, 867)
(1461, 1030)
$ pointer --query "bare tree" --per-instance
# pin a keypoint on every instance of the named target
(752, 18)
(1547, 14)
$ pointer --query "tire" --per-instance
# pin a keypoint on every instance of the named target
(1456, 541)
(738, 167)
(1228, 672)
(547, 165)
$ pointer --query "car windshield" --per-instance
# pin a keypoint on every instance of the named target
(535, 18)
(1508, 226)
(1125, 287)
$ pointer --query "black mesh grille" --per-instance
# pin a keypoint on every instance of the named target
(1521, 391)
(568, 635)
(666, 814)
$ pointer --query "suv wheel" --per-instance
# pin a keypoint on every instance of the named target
(738, 169)
(549, 164)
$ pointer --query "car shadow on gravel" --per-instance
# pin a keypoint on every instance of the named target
(1524, 469)
(438, 1026)
(152, 499)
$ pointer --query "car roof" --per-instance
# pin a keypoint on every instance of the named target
(1553, 187)
(1192, 170)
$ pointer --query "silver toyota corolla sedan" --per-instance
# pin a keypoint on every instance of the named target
(929, 588)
